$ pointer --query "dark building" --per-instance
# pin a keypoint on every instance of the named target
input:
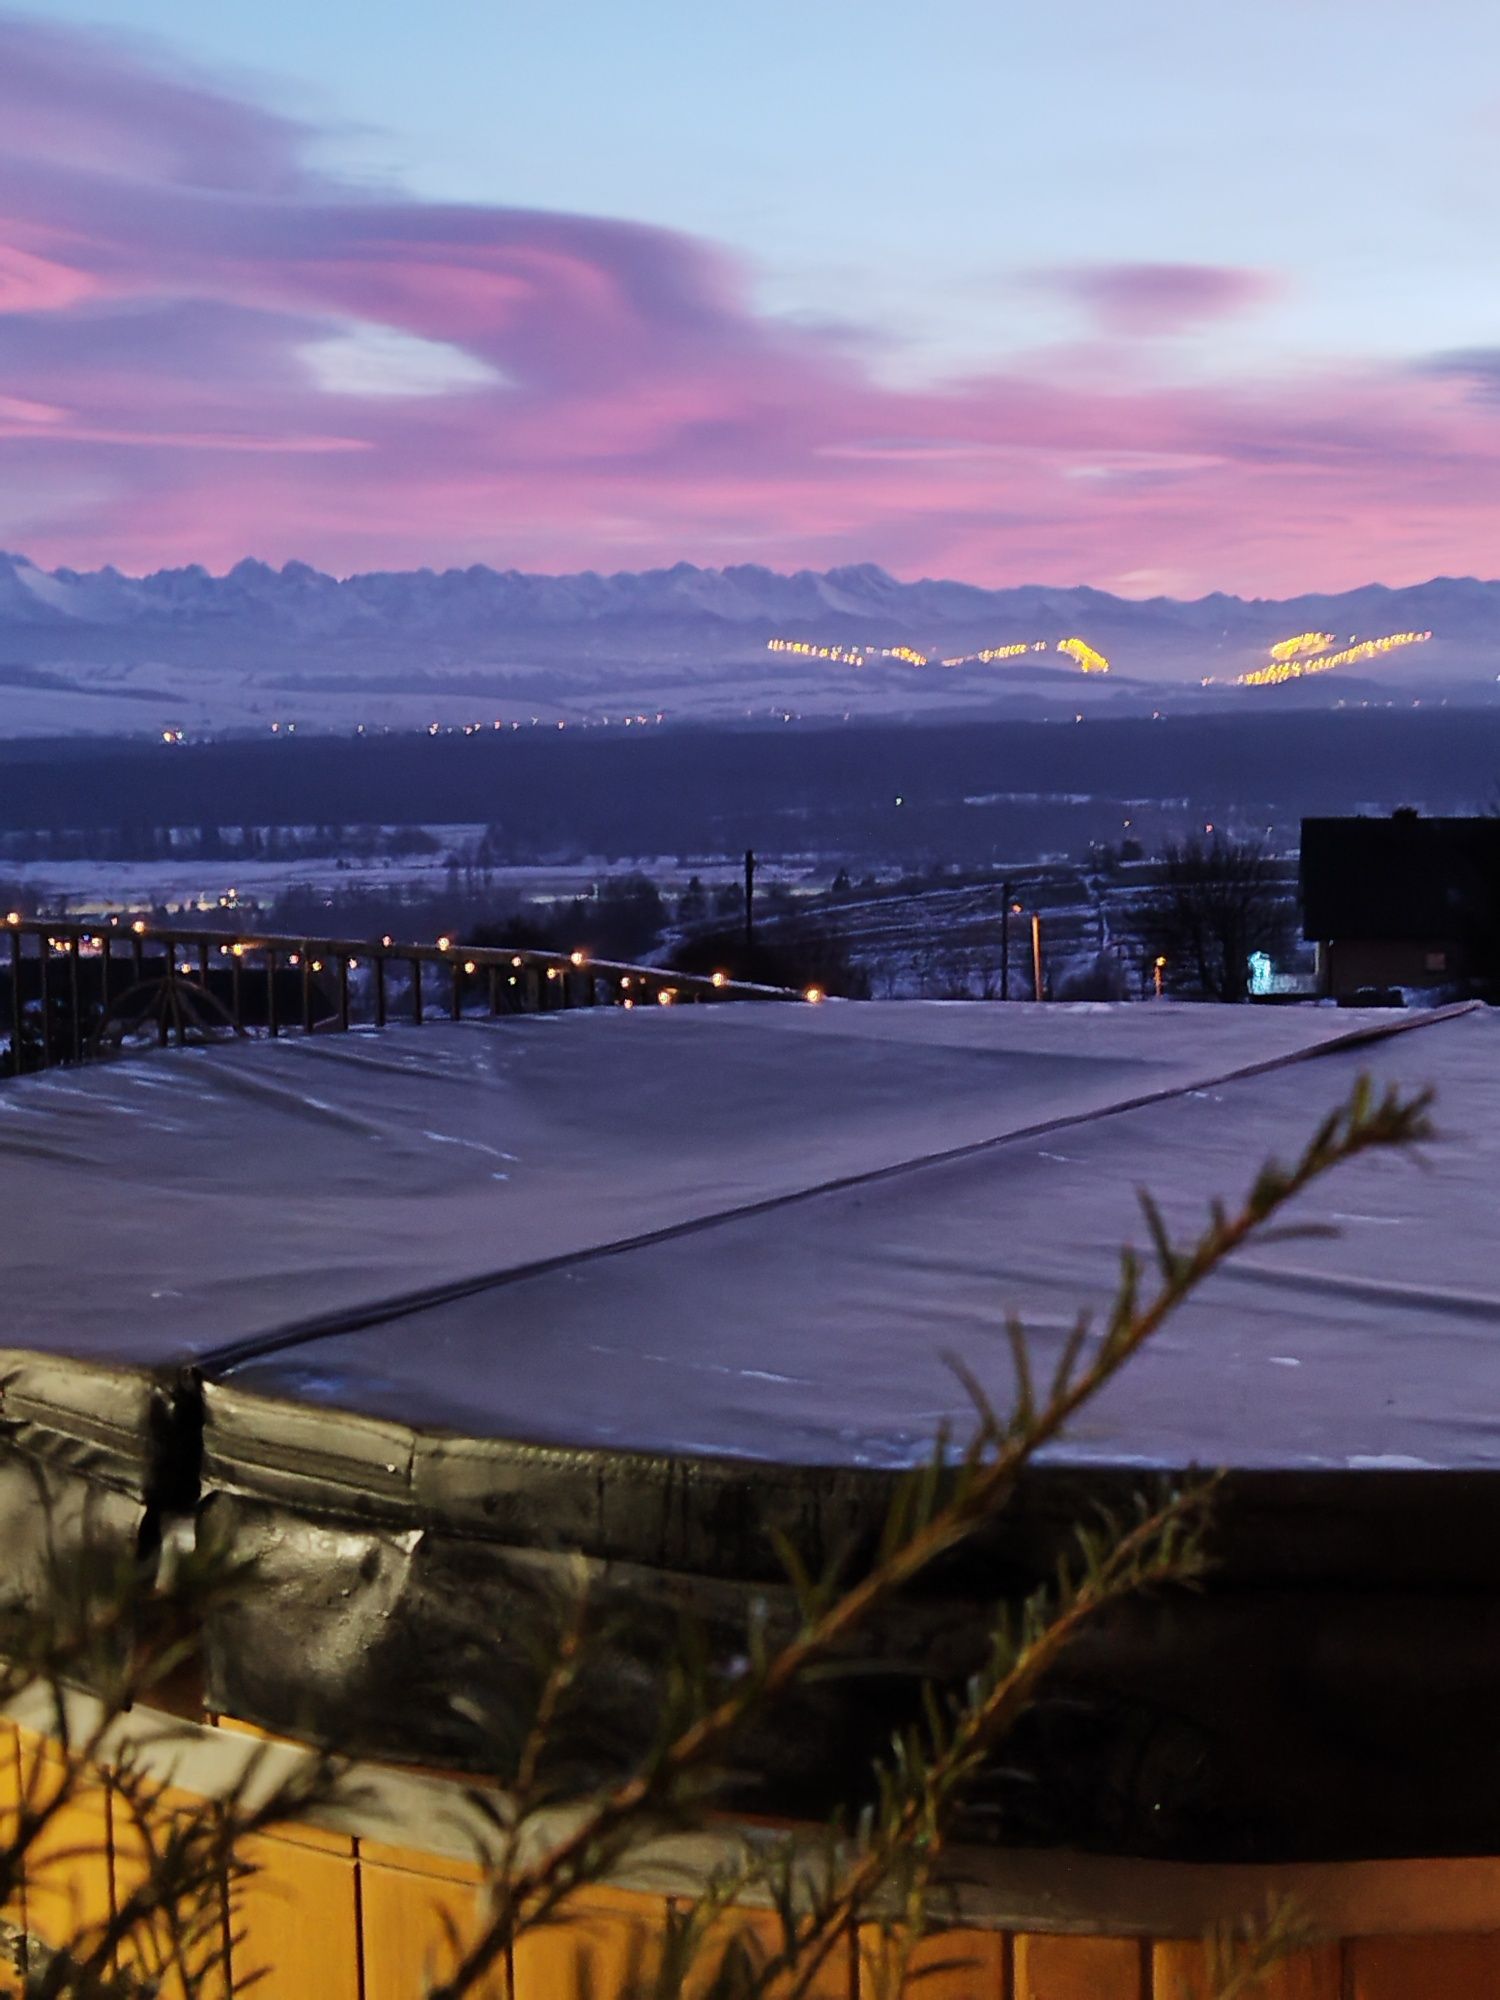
(1403, 901)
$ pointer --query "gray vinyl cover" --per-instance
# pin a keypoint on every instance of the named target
(648, 1284)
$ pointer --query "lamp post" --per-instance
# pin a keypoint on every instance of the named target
(1036, 953)
(1157, 970)
(1007, 890)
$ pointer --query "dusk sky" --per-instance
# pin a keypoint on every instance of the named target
(1163, 298)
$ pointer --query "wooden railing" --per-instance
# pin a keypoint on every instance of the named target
(79, 990)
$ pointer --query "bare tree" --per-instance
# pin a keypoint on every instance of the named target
(1213, 905)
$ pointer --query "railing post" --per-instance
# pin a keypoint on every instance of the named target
(44, 980)
(494, 989)
(106, 966)
(306, 989)
(17, 1005)
(273, 1025)
(380, 990)
(457, 997)
(203, 963)
(416, 992)
(138, 956)
(343, 993)
(236, 986)
(75, 1026)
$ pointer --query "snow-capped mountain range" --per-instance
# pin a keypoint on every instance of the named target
(182, 648)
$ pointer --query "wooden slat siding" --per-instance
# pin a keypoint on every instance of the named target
(408, 1901)
(604, 1946)
(295, 1922)
(13, 1912)
(128, 1865)
(68, 1885)
(1178, 1972)
(1422, 1968)
(837, 1978)
(10, 1781)
(949, 1965)
(1079, 1968)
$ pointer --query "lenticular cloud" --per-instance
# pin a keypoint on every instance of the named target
(208, 347)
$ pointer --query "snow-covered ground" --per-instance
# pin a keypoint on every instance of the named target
(240, 888)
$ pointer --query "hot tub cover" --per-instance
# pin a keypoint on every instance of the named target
(762, 1232)
(436, 1304)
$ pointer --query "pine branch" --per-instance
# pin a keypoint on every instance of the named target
(984, 1482)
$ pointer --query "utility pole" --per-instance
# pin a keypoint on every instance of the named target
(1007, 890)
(1036, 954)
(749, 899)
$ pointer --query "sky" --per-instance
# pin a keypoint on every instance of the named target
(1167, 299)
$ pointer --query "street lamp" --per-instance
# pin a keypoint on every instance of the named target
(1157, 970)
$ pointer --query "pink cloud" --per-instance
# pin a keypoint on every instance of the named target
(170, 265)
(1130, 300)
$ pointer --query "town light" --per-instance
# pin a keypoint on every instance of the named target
(445, 944)
(718, 979)
(576, 957)
(813, 995)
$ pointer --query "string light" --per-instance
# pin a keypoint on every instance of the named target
(813, 996)
(1079, 650)
(445, 944)
(1294, 670)
(1301, 642)
(717, 980)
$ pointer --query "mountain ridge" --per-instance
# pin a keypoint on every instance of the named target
(734, 593)
(256, 645)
